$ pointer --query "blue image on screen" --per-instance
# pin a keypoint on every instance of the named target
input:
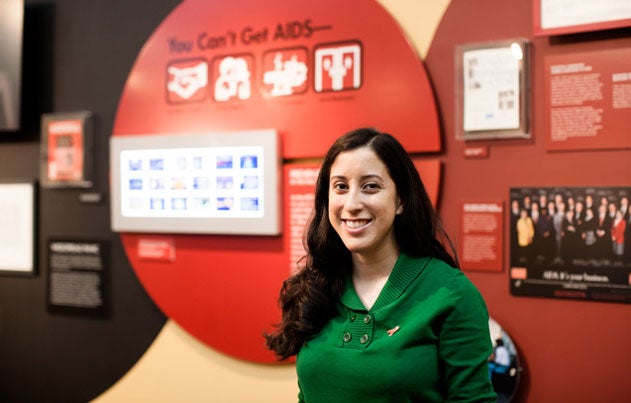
(250, 204)
(225, 182)
(135, 184)
(156, 183)
(156, 164)
(135, 165)
(157, 203)
(225, 203)
(224, 161)
(249, 161)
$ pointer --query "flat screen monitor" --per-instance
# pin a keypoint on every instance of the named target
(215, 183)
(11, 33)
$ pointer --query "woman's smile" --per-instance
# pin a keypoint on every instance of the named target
(355, 226)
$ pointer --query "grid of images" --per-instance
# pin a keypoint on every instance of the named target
(193, 182)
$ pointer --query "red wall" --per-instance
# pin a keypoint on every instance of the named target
(572, 351)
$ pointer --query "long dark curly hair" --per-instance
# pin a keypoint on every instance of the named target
(309, 298)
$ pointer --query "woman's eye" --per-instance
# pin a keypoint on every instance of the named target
(340, 186)
(371, 186)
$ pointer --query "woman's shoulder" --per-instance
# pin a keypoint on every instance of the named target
(439, 273)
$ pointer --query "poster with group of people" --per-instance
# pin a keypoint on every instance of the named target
(571, 243)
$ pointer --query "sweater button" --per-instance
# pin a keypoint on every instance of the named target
(364, 339)
(367, 319)
(353, 317)
(347, 337)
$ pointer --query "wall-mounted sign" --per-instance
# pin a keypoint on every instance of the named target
(556, 17)
(571, 242)
(481, 230)
(78, 277)
(311, 71)
(492, 90)
(588, 99)
(67, 150)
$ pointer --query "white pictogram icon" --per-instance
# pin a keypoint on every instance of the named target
(234, 79)
(187, 81)
(287, 75)
(336, 63)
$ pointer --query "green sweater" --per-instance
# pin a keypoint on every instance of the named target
(426, 339)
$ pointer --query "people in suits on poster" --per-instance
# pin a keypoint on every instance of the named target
(515, 212)
(557, 223)
(543, 201)
(618, 230)
(624, 207)
(588, 234)
(525, 230)
(544, 238)
(603, 233)
(579, 212)
(571, 203)
(534, 216)
(527, 204)
(570, 237)
(589, 204)
(627, 240)
(567, 233)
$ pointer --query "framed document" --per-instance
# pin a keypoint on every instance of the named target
(17, 227)
(557, 17)
(492, 90)
(67, 150)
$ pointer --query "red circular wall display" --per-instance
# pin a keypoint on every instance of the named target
(310, 70)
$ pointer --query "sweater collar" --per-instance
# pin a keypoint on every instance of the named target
(405, 270)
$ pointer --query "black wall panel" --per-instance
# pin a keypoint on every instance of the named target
(77, 55)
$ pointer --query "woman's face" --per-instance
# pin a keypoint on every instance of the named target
(363, 203)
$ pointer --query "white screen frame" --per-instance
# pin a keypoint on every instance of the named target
(264, 142)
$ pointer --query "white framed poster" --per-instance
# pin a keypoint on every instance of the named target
(558, 17)
(17, 227)
(492, 90)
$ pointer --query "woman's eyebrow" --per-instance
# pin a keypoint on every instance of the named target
(364, 177)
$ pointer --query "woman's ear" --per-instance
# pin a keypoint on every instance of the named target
(399, 207)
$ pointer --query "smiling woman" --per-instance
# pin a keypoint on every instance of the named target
(379, 311)
(363, 204)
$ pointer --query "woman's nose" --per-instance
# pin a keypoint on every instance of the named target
(354, 200)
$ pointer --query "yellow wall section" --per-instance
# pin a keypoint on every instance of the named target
(178, 368)
(418, 19)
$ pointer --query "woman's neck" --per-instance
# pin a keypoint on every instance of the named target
(371, 275)
(373, 268)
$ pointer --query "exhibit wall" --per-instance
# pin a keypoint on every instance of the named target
(140, 336)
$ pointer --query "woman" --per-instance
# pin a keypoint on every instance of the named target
(378, 313)
(525, 235)
(618, 228)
